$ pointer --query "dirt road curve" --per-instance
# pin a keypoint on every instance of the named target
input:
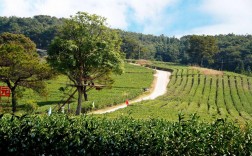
(159, 88)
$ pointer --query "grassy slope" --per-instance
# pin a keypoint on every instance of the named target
(190, 91)
(127, 86)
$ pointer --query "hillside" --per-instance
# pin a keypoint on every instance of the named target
(180, 96)
(234, 51)
(208, 93)
(126, 86)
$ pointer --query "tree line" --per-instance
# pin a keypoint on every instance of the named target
(222, 52)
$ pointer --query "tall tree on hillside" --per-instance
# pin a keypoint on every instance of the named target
(20, 65)
(130, 46)
(202, 49)
(87, 51)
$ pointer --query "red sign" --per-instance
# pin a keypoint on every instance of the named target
(5, 91)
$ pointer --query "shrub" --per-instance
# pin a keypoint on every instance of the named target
(30, 106)
(85, 135)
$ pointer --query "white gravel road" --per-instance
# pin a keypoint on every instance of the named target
(162, 79)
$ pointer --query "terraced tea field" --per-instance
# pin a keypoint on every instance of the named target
(211, 94)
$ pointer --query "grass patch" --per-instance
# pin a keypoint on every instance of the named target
(126, 86)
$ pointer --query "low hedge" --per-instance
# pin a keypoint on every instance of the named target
(87, 135)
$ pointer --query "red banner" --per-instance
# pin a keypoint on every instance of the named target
(5, 91)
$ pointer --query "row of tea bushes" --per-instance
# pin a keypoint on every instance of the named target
(85, 135)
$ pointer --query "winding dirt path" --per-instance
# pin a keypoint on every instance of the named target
(159, 86)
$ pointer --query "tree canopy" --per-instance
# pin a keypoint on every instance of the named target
(202, 49)
(40, 29)
(87, 51)
(20, 65)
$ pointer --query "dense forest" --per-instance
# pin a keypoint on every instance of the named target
(40, 29)
(223, 52)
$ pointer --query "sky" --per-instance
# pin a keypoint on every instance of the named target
(169, 17)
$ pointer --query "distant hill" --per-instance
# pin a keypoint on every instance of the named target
(234, 51)
(41, 29)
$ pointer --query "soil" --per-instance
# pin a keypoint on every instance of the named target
(206, 71)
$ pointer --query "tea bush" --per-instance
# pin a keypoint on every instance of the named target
(88, 135)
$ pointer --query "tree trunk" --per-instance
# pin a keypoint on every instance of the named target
(85, 94)
(80, 93)
(13, 100)
(201, 62)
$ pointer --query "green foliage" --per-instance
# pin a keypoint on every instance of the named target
(233, 50)
(202, 49)
(128, 85)
(197, 90)
(40, 29)
(87, 51)
(30, 106)
(141, 46)
(64, 135)
(20, 65)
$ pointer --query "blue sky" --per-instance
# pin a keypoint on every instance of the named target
(168, 17)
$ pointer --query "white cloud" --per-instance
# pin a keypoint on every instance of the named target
(13, 7)
(230, 16)
(147, 13)
(151, 14)
(113, 10)
(148, 8)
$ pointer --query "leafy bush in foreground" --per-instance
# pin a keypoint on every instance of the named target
(84, 135)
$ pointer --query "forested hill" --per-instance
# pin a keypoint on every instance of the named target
(225, 52)
(41, 29)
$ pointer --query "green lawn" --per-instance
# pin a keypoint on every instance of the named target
(126, 86)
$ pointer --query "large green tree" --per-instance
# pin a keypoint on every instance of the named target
(87, 51)
(20, 65)
(202, 49)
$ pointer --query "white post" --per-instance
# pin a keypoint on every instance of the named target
(50, 111)
(62, 109)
